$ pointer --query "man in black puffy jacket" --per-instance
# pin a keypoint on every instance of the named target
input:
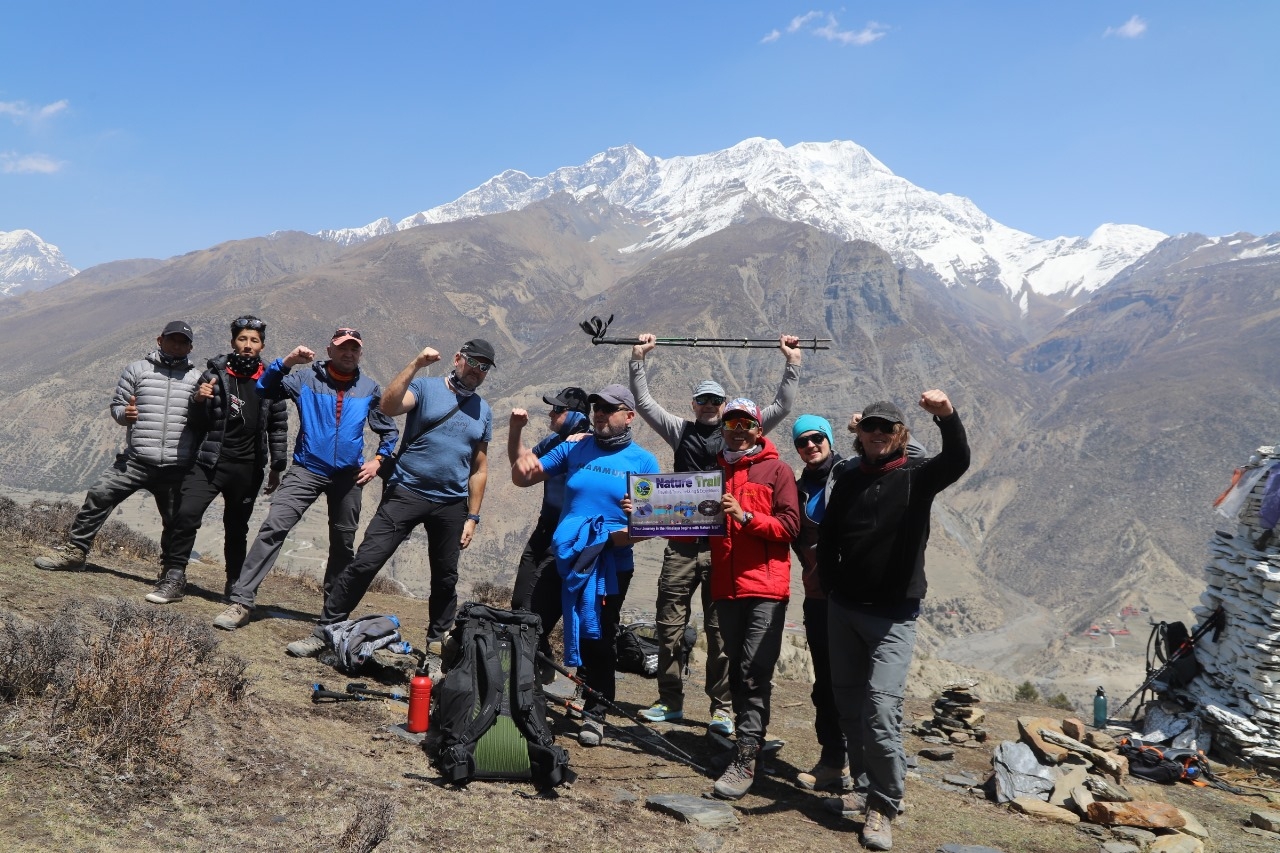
(240, 429)
(152, 401)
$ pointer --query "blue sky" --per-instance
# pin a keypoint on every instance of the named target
(152, 129)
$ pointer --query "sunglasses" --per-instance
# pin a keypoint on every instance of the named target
(559, 410)
(739, 424)
(252, 323)
(708, 400)
(877, 425)
(604, 409)
(477, 364)
(814, 438)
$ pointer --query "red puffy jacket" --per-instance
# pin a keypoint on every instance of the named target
(754, 561)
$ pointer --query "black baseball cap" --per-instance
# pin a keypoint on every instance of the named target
(885, 411)
(178, 327)
(571, 398)
(480, 348)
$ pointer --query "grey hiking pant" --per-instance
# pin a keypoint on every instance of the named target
(752, 631)
(119, 482)
(299, 489)
(685, 567)
(870, 656)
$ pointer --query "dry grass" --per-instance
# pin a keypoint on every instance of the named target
(108, 687)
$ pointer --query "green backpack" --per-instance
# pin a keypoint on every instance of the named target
(490, 713)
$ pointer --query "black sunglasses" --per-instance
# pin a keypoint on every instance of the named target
(814, 438)
(604, 409)
(708, 400)
(877, 425)
(252, 323)
(482, 366)
(559, 410)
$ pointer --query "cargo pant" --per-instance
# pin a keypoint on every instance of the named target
(869, 663)
(686, 565)
(299, 489)
(118, 483)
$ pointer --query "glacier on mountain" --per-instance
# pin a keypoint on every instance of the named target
(838, 187)
(29, 263)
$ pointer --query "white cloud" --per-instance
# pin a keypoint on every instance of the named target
(1130, 29)
(824, 25)
(12, 163)
(21, 111)
(797, 23)
(831, 32)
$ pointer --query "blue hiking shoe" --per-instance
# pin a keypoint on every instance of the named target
(660, 713)
(721, 723)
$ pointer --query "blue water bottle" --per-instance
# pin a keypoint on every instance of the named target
(1100, 709)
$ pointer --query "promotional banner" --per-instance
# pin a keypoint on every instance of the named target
(686, 504)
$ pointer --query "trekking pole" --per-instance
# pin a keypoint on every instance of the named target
(567, 704)
(666, 745)
(319, 694)
(596, 328)
(362, 689)
(1216, 622)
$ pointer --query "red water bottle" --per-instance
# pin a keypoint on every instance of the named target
(419, 704)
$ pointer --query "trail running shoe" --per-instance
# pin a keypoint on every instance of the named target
(660, 713)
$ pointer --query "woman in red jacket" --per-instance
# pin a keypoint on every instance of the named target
(751, 578)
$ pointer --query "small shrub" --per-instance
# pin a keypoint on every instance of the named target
(1059, 700)
(125, 680)
(491, 594)
(1026, 692)
(371, 826)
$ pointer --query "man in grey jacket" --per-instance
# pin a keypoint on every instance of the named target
(686, 563)
(152, 401)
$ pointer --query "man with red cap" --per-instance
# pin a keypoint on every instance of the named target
(335, 403)
(751, 578)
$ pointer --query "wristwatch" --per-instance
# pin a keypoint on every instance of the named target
(471, 516)
(746, 518)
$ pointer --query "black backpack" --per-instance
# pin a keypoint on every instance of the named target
(490, 714)
(637, 646)
(1165, 765)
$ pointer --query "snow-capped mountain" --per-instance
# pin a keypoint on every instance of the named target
(29, 263)
(838, 187)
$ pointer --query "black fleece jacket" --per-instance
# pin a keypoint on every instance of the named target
(872, 539)
(211, 419)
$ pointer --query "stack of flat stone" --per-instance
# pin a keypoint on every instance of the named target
(1238, 689)
(957, 719)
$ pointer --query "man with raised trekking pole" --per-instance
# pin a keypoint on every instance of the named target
(686, 563)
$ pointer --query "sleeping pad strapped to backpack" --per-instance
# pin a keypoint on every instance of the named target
(489, 711)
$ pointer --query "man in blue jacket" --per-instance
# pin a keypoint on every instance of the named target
(335, 402)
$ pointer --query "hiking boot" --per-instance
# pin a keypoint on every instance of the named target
(435, 647)
(169, 589)
(721, 723)
(736, 780)
(660, 713)
(591, 733)
(65, 558)
(876, 833)
(307, 647)
(851, 804)
(825, 777)
(235, 616)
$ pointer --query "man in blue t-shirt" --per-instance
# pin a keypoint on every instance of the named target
(438, 482)
(595, 471)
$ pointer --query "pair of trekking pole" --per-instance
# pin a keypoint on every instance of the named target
(1216, 622)
(356, 692)
(597, 329)
(669, 749)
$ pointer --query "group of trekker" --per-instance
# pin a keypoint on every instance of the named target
(859, 525)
